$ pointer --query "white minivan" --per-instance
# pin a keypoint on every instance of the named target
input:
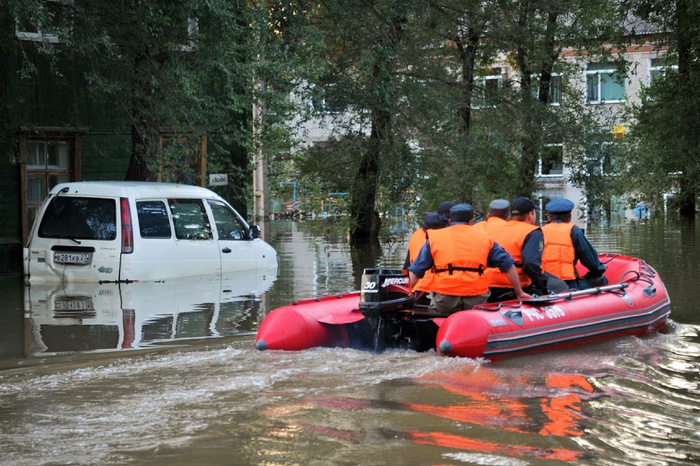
(139, 231)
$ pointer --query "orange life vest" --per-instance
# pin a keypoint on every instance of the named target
(415, 243)
(559, 253)
(460, 254)
(511, 238)
(492, 225)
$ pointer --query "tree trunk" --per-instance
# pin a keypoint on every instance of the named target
(144, 127)
(366, 221)
(529, 146)
(467, 48)
(687, 197)
(685, 39)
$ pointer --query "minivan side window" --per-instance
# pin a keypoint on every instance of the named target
(190, 219)
(228, 225)
(80, 218)
(153, 219)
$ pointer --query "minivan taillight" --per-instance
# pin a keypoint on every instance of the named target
(127, 230)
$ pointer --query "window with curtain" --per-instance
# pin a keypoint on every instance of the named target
(604, 83)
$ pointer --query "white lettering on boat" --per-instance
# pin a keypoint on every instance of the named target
(553, 312)
(532, 314)
(498, 322)
(547, 312)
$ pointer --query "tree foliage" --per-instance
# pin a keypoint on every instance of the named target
(400, 84)
(664, 148)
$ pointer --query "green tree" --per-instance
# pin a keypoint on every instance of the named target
(185, 67)
(172, 65)
(364, 46)
(664, 153)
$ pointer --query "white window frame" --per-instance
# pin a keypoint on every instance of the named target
(40, 35)
(661, 68)
(604, 150)
(536, 89)
(612, 71)
(539, 173)
(481, 81)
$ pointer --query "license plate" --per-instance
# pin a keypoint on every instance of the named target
(82, 258)
(78, 303)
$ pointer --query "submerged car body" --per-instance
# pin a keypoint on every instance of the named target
(139, 231)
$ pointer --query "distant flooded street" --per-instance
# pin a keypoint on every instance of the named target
(166, 373)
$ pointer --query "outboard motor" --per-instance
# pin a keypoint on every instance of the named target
(383, 297)
(384, 291)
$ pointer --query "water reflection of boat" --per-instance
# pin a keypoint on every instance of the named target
(383, 316)
(480, 404)
(91, 317)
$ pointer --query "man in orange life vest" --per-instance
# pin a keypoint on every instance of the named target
(416, 242)
(458, 256)
(420, 236)
(499, 211)
(565, 244)
(522, 239)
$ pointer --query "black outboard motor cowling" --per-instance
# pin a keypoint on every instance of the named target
(378, 297)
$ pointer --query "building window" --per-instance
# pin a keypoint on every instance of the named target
(604, 84)
(603, 160)
(47, 159)
(45, 23)
(658, 67)
(554, 89)
(551, 162)
(183, 159)
(486, 87)
(323, 99)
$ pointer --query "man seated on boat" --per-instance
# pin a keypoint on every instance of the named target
(499, 213)
(416, 242)
(565, 245)
(523, 240)
(458, 256)
(432, 221)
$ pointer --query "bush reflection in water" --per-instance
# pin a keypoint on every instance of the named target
(625, 401)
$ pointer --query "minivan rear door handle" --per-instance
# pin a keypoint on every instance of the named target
(226, 250)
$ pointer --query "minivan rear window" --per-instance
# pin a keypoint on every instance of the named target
(153, 219)
(80, 218)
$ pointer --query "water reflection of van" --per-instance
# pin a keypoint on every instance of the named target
(139, 231)
(80, 317)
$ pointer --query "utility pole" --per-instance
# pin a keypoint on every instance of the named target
(259, 168)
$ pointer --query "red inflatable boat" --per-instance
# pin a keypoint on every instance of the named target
(384, 316)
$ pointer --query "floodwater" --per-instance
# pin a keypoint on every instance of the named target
(168, 375)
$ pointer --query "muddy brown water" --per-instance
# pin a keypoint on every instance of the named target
(170, 376)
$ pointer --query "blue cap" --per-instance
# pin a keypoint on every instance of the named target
(499, 204)
(461, 208)
(559, 206)
(433, 221)
(522, 205)
(444, 208)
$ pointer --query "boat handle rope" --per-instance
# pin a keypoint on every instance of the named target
(608, 257)
(648, 270)
(494, 307)
(638, 276)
